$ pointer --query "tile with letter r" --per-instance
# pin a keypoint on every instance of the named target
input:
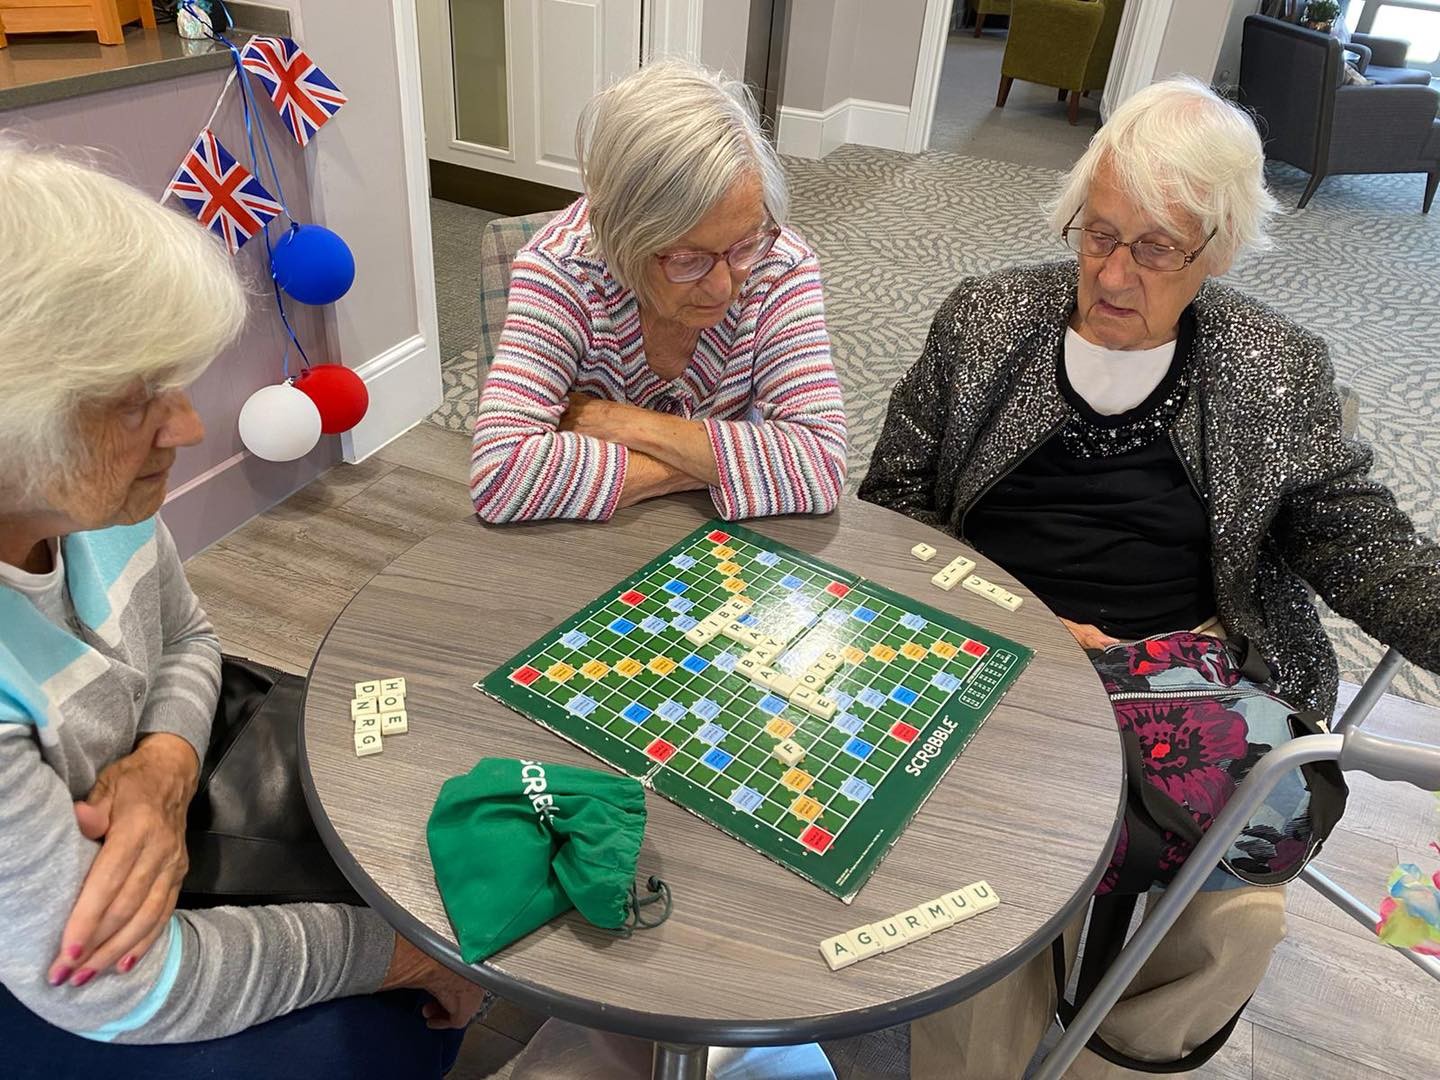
(904, 695)
(710, 734)
(671, 710)
(859, 748)
(746, 799)
(717, 759)
(581, 705)
(575, 639)
(694, 664)
(675, 586)
(772, 704)
(622, 626)
(653, 624)
(682, 562)
(705, 709)
(856, 789)
(635, 713)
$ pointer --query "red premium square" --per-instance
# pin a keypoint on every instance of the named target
(524, 675)
(718, 537)
(816, 839)
(903, 731)
(836, 588)
(659, 750)
(974, 648)
(632, 597)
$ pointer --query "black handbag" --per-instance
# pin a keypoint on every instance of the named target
(249, 834)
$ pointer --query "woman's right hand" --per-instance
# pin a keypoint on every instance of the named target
(456, 998)
(1089, 636)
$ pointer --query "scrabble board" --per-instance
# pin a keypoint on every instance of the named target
(628, 680)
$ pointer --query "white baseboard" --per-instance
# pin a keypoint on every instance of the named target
(809, 133)
(404, 384)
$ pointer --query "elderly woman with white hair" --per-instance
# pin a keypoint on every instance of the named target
(666, 330)
(1158, 458)
(110, 306)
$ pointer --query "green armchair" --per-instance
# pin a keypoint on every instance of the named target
(1061, 43)
(981, 8)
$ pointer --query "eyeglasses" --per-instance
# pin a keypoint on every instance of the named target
(682, 267)
(1100, 245)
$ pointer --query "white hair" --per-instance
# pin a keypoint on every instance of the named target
(658, 150)
(1177, 148)
(100, 288)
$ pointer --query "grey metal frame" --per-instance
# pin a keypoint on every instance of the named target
(1354, 749)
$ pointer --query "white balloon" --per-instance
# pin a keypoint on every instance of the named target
(279, 423)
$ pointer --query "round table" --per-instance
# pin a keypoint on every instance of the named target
(1032, 806)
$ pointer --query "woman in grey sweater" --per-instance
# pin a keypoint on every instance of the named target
(1151, 452)
(109, 671)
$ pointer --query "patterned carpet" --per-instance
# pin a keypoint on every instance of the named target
(895, 232)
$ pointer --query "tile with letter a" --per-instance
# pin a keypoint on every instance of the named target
(838, 952)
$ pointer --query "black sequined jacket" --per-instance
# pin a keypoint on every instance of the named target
(1288, 494)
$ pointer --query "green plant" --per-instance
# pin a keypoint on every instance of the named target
(1322, 11)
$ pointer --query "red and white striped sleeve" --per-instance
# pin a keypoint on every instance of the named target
(521, 467)
(792, 458)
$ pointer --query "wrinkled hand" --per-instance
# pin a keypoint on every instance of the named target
(598, 418)
(1089, 636)
(455, 999)
(137, 811)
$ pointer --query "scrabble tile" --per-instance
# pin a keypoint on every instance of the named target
(890, 933)
(939, 913)
(762, 654)
(368, 689)
(750, 668)
(735, 632)
(960, 565)
(738, 604)
(716, 621)
(395, 723)
(802, 697)
(365, 707)
(923, 552)
(839, 952)
(815, 680)
(765, 676)
(945, 579)
(788, 752)
(831, 658)
(823, 707)
(699, 635)
(769, 642)
(863, 943)
(392, 686)
(784, 685)
(992, 592)
(977, 584)
(981, 896)
(916, 925)
(367, 724)
(367, 744)
(390, 703)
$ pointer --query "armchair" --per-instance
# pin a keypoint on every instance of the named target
(1382, 59)
(1291, 77)
(1061, 43)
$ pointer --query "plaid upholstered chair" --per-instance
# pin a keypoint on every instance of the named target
(503, 238)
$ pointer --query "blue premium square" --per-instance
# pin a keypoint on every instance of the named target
(864, 614)
(694, 664)
(847, 722)
(682, 562)
(859, 748)
(717, 759)
(680, 604)
(575, 640)
(790, 581)
(872, 697)
(767, 558)
(726, 661)
(705, 709)
(835, 616)
(904, 695)
(622, 626)
(653, 624)
(841, 699)
(684, 622)
(671, 710)
(747, 619)
(635, 713)
(911, 621)
(772, 704)
(675, 587)
(580, 705)
(710, 734)
(856, 789)
(747, 799)
(945, 681)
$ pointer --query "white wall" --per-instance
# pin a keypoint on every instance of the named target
(724, 24)
(1227, 66)
(1193, 36)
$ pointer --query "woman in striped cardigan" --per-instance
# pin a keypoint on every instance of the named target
(665, 331)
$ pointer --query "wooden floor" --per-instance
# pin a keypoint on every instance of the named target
(1335, 1003)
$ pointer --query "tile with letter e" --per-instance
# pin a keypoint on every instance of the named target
(394, 723)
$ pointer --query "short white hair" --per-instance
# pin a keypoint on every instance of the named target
(658, 150)
(1178, 148)
(100, 287)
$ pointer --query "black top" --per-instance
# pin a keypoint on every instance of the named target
(1101, 521)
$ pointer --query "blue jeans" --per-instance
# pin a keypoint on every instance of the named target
(376, 1037)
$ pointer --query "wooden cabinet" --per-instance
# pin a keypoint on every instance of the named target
(104, 17)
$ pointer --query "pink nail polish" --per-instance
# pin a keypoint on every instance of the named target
(82, 976)
(60, 974)
(74, 951)
(126, 964)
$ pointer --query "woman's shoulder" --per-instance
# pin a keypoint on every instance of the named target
(1031, 293)
(1233, 321)
(563, 244)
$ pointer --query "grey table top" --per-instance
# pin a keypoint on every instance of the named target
(1032, 805)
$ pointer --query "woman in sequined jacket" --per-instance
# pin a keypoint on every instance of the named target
(1151, 451)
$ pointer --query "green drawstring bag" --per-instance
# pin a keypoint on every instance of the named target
(516, 843)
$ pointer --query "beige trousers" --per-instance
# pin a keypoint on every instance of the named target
(1202, 972)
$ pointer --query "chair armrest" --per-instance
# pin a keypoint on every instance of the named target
(1377, 128)
(1384, 51)
(1362, 51)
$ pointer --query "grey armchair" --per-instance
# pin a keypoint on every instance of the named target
(1382, 60)
(1292, 78)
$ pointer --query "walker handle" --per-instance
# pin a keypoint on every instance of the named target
(1391, 759)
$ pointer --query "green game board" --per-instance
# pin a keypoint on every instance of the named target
(620, 680)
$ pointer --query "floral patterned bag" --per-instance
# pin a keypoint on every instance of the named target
(1196, 713)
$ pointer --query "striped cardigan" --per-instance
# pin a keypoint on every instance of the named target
(761, 381)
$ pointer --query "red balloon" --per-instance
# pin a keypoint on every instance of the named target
(338, 393)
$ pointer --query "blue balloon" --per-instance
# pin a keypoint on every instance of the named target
(313, 265)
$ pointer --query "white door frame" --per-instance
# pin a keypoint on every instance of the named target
(1137, 52)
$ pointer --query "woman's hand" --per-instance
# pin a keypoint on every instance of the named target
(456, 998)
(1089, 636)
(600, 419)
(137, 811)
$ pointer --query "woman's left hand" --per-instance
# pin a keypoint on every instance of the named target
(137, 810)
(598, 418)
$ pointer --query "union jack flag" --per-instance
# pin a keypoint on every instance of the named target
(222, 193)
(303, 94)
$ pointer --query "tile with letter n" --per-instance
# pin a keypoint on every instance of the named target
(910, 686)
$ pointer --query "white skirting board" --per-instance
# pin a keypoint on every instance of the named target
(404, 384)
(809, 133)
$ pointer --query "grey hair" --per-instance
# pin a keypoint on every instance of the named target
(658, 150)
(1178, 148)
(100, 288)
